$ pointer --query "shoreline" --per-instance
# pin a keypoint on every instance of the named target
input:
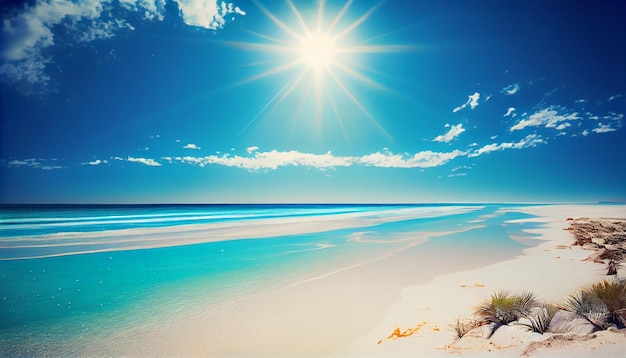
(422, 282)
(322, 312)
(553, 270)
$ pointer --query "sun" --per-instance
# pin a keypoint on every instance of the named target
(322, 53)
(317, 50)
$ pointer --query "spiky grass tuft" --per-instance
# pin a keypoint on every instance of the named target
(588, 306)
(613, 296)
(504, 308)
(540, 318)
(462, 326)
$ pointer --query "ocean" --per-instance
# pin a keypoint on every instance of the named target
(74, 275)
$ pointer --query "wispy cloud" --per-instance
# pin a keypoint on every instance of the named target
(274, 159)
(454, 132)
(472, 101)
(146, 161)
(191, 146)
(511, 89)
(151, 8)
(530, 140)
(43, 164)
(614, 97)
(252, 149)
(548, 118)
(29, 31)
(461, 167)
(603, 128)
(271, 160)
(510, 112)
(457, 175)
(95, 162)
(423, 159)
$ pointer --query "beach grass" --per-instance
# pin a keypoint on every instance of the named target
(602, 304)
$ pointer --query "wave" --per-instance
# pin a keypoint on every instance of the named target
(263, 225)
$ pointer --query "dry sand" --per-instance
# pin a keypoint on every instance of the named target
(552, 270)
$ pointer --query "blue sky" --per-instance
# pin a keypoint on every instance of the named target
(198, 101)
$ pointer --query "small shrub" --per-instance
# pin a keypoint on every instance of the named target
(589, 306)
(540, 318)
(613, 295)
(504, 308)
(602, 303)
(462, 326)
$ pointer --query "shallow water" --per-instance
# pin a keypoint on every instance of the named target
(71, 296)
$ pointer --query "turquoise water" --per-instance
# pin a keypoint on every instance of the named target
(67, 292)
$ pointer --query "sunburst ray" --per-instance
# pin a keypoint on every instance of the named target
(321, 51)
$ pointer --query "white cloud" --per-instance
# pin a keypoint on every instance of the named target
(31, 29)
(34, 163)
(548, 117)
(562, 126)
(148, 162)
(151, 8)
(454, 132)
(614, 97)
(530, 140)
(603, 128)
(27, 33)
(274, 159)
(424, 159)
(509, 112)
(252, 149)
(191, 146)
(511, 89)
(461, 167)
(95, 162)
(206, 13)
(271, 160)
(472, 101)
(456, 175)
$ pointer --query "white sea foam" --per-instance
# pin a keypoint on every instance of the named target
(61, 243)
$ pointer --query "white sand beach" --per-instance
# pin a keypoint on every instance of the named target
(552, 270)
(351, 312)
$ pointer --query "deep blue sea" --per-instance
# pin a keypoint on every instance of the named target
(83, 271)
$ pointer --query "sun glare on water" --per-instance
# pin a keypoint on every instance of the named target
(321, 52)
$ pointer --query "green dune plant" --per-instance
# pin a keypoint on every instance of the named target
(540, 317)
(602, 304)
(588, 306)
(504, 308)
(613, 294)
